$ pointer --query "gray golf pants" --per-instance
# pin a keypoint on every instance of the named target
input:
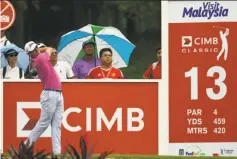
(51, 113)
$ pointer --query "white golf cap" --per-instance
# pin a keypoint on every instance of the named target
(30, 46)
(41, 45)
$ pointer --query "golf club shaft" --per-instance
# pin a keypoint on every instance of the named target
(219, 27)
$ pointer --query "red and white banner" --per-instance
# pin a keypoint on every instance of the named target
(202, 78)
(115, 116)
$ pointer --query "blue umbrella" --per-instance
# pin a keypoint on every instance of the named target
(22, 59)
(70, 47)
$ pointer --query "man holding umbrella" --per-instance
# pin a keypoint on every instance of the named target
(11, 71)
(82, 67)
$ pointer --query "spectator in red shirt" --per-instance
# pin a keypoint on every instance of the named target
(154, 70)
(106, 70)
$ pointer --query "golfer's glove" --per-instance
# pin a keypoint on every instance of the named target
(33, 72)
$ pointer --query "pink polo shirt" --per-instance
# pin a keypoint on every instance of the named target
(46, 72)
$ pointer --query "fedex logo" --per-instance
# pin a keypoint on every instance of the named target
(191, 154)
(28, 113)
(195, 154)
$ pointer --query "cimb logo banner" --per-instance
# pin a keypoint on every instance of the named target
(116, 113)
(28, 114)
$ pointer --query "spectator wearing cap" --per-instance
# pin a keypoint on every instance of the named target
(82, 67)
(11, 71)
(154, 70)
(61, 67)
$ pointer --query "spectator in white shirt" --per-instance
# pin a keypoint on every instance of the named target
(61, 67)
(11, 71)
(3, 40)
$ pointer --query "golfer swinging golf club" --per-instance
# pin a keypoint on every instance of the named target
(51, 98)
(224, 48)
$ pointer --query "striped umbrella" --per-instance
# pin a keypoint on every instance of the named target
(70, 47)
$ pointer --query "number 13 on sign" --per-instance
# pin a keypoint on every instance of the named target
(193, 74)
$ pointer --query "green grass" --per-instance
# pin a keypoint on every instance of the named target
(156, 157)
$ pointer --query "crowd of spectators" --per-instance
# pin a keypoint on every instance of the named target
(88, 67)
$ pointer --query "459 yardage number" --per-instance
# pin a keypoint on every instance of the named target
(193, 74)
